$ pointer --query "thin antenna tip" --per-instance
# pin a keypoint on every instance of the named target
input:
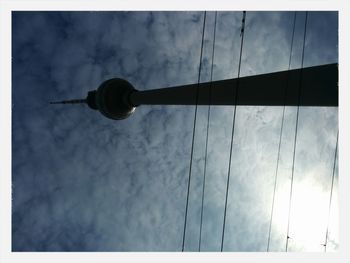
(69, 101)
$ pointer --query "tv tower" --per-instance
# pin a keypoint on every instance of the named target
(117, 99)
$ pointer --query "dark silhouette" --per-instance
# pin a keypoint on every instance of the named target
(318, 86)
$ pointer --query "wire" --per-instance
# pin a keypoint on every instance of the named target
(296, 132)
(206, 141)
(331, 194)
(233, 129)
(193, 134)
(281, 129)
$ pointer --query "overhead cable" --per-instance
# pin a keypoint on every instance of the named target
(233, 129)
(280, 137)
(193, 134)
(331, 194)
(207, 135)
(296, 133)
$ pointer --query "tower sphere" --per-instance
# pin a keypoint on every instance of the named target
(112, 99)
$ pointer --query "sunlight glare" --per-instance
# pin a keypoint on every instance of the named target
(308, 216)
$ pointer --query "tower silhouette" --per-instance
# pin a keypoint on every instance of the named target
(313, 86)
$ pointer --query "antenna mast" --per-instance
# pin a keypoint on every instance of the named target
(69, 101)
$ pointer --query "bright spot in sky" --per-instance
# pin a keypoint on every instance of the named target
(308, 216)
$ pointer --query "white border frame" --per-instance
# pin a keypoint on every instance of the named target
(6, 6)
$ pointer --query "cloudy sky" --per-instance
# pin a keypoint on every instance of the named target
(82, 182)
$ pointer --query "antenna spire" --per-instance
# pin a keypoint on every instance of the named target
(69, 101)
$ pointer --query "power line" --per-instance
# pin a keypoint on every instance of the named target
(331, 194)
(296, 131)
(193, 134)
(207, 135)
(233, 129)
(280, 139)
